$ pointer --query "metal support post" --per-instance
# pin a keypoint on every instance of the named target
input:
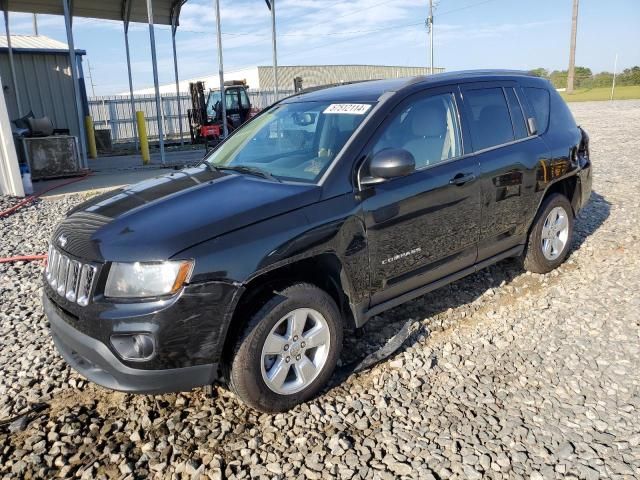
(154, 61)
(11, 64)
(223, 98)
(174, 29)
(76, 83)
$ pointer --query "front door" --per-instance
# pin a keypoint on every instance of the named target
(424, 226)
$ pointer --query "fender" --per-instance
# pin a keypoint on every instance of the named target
(332, 226)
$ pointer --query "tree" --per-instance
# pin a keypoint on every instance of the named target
(540, 72)
(558, 78)
(602, 79)
(583, 77)
(629, 76)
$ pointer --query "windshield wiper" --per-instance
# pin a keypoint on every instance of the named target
(248, 170)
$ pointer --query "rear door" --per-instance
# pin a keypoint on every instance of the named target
(508, 156)
(424, 226)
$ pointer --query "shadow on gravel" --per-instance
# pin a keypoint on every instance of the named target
(433, 306)
(592, 216)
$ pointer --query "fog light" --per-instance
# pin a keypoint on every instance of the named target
(136, 346)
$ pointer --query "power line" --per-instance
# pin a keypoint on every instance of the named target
(330, 34)
(332, 19)
(366, 33)
(447, 12)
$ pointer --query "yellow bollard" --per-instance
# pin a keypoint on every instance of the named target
(144, 141)
(91, 137)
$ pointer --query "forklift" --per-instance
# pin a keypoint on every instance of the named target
(205, 114)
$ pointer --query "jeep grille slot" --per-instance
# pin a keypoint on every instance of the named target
(70, 278)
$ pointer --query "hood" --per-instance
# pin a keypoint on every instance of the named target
(159, 217)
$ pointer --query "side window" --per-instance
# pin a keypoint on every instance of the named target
(244, 99)
(428, 128)
(539, 100)
(232, 100)
(517, 117)
(490, 122)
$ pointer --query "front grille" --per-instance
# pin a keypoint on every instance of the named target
(70, 278)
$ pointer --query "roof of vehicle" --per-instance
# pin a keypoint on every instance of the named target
(371, 90)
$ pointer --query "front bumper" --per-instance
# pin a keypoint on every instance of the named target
(95, 361)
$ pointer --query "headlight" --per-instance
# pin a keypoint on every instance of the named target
(136, 280)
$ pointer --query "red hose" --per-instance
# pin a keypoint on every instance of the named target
(9, 211)
(31, 198)
(24, 258)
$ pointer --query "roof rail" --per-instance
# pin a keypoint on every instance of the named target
(330, 85)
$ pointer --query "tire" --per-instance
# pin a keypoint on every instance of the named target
(540, 256)
(277, 382)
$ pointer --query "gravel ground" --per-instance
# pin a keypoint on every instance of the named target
(508, 374)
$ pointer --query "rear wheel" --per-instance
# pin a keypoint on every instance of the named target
(288, 351)
(550, 237)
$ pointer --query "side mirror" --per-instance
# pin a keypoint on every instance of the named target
(389, 163)
(533, 126)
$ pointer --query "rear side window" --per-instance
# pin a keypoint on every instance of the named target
(517, 117)
(490, 122)
(539, 100)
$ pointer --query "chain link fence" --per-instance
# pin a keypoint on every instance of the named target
(113, 113)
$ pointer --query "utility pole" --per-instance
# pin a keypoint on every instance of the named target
(93, 89)
(572, 52)
(430, 30)
(35, 24)
(429, 24)
(93, 94)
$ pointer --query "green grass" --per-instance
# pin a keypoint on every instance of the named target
(602, 93)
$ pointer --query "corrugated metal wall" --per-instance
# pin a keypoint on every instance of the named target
(45, 86)
(315, 75)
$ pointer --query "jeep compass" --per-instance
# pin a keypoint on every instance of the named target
(327, 208)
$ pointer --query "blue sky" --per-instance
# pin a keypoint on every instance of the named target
(468, 34)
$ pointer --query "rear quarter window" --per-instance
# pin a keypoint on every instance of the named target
(539, 100)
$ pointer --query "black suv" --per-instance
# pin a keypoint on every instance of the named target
(327, 208)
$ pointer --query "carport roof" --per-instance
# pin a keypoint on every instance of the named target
(163, 10)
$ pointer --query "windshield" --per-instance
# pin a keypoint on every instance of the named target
(292, 141)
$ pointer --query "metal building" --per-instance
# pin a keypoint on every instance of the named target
(316, 75)
(43, 75)
(261, 77)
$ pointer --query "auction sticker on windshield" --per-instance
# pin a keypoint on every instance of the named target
(349, 108)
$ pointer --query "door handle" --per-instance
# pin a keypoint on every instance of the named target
(462, 178)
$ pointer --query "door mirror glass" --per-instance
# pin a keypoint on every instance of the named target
(389, 163)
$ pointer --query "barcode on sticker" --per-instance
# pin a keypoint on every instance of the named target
(348, 108)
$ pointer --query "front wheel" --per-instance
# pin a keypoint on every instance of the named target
(550, 236)
(288, 351)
